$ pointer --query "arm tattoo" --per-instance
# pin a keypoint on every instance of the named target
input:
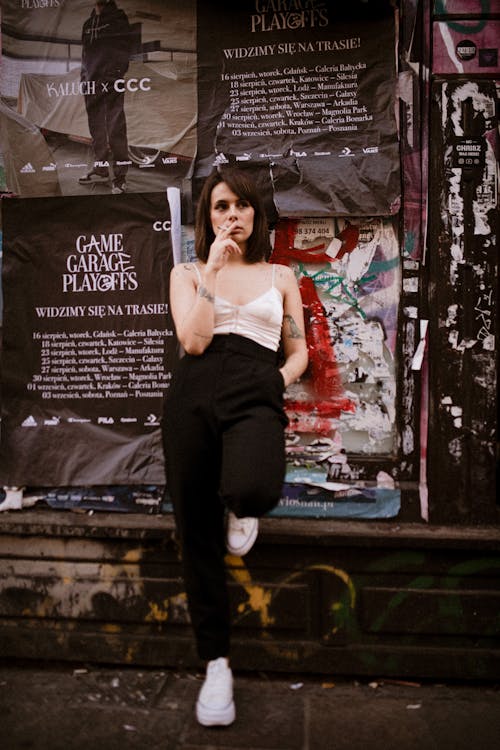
(203, 292)
(294, 331)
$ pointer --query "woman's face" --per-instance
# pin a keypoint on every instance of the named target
(227, 209)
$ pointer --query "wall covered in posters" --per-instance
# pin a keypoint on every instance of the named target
(305, 98)
(349, 278)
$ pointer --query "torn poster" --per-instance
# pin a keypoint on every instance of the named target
(349, 278)
(305, 98)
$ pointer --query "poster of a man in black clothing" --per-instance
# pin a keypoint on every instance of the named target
(106, 40)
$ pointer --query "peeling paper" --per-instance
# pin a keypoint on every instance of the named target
(411, 312)
(452, 316)
(411, 285)
(418, 357)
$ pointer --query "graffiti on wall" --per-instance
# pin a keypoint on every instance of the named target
(466, 45)
(349, 278)
(396, 595)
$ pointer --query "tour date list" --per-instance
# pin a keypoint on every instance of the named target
(100, 364)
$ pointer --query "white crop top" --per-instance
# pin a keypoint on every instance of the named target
(260, 319)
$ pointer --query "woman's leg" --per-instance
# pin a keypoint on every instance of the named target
(253, 463)
(192, 451)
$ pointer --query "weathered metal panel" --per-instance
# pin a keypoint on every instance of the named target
(463, 301)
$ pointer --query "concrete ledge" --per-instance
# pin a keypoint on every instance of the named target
(296, 531)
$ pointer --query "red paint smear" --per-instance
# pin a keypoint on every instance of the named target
(285, 250)
(329, 400)
(304, 256)
(325, 375)
(323, 427)
(331, 409)
(349, 236)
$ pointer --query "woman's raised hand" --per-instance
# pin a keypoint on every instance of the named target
(222, 248)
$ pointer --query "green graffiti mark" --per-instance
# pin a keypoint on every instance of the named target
(397, 561)
(440, 9)
(409, 243)
(335, 286)
(422, 582)
(471, 567)
(381, 266)
(450, 605)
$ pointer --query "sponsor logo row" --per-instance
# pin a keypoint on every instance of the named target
(346, 151)
(147, 161)
(152, 420)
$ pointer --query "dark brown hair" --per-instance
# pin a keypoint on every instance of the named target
(258, 245)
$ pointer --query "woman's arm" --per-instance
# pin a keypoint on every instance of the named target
(192, 308)
(293, 330)
(192, 305)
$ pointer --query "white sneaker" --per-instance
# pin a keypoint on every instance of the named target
(215, 705)
(241, 534)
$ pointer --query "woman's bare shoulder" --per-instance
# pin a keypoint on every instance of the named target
(284, 275)
(184, 272)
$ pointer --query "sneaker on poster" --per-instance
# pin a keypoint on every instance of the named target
(95, 176)
(241, 534)
(215, 705)
(119, 186)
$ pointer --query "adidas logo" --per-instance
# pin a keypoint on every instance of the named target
(28, 168)
(29, 422)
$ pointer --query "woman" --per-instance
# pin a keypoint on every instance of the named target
(224, 420)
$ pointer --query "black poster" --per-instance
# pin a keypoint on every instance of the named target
(303, 93)
(96, 98)
(87, 339)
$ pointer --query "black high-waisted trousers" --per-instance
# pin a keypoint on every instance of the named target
(223, 432)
